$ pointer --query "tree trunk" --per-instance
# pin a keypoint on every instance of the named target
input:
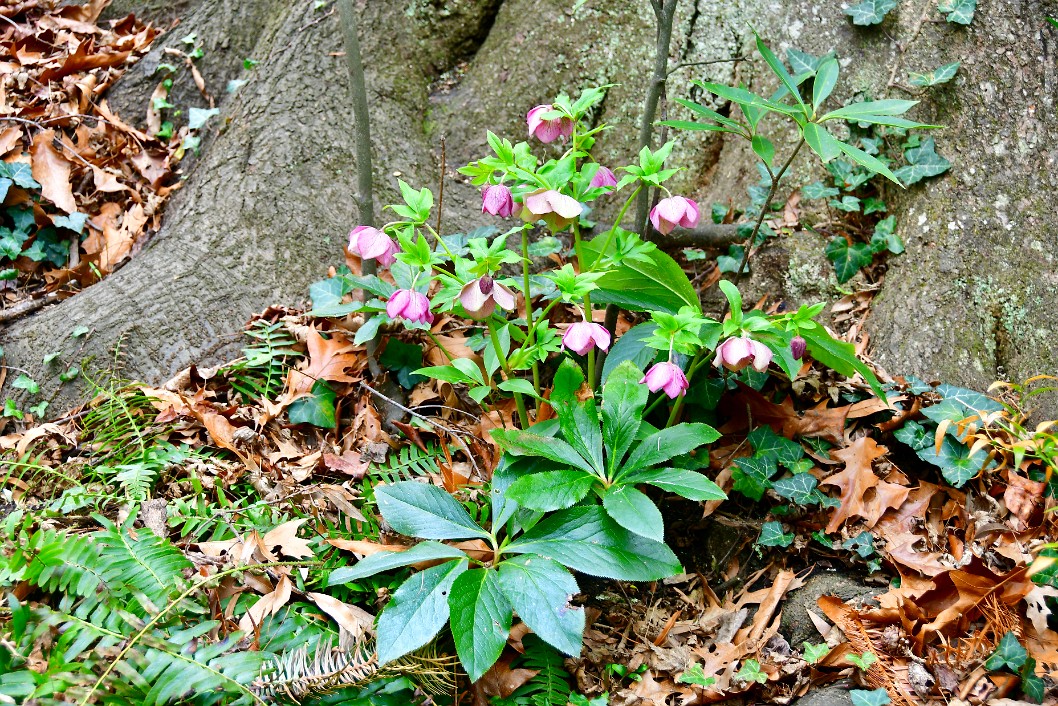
(266, 208)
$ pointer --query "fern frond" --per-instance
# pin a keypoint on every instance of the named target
(147, 564)
(261, 373)
(551, 684)
(299, 674)
(58, 561)
(409, 463)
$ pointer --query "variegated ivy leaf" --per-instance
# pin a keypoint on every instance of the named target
(958, 11)
(870, 12)
(941, 74)
(922, 162)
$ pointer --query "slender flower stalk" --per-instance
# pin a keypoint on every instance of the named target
(523, 415)
(531, 333)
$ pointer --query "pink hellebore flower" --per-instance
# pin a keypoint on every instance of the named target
(668, 377)
(550, 206)
(736, 353)
(603, 178)
(409, 305)
(368, 243)
(674, 211)
(548, 130)
(798, 346)
(480, 297)
(583, 335)
(496, 199)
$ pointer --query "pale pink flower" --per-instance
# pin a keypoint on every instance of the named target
(548, 130)
(480, 297)
(496, 199)
(409, 305)
(674, 211)
(603, 178)
(583, 335)
(554, 208)
(368, 243)
(668, 377)
(736, 353)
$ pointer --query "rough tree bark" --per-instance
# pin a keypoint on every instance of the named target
(266, 208)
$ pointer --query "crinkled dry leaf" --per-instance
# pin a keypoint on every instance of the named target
(285, 539)
(269, 604)
(863, 494)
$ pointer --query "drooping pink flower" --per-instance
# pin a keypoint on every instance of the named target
(674, 211)
(496, 199)
(368, 243)
(603, 178)
(736, 353)
(409, 305)
(548, 130)
(668, 377)
(554, 208)
(583, 335)
(798, 346)
(480, 297)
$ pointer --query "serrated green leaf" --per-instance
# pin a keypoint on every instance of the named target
(481, 619)
(384, 561)
(634, 511)
(417, 611)
(623, 401)
(540, 591)
(551, 490)
(523, 443)
(586, 539)
(669, 443)
(421, 510)
(688, 484)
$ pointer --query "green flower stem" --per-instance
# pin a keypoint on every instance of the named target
(438, 344)
(444, 246)
(172, 604)
(654, 405)
(613, 229)
(578, 247)
(523, 416)
(530, 333)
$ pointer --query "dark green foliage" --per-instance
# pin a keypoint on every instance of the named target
(550, 686)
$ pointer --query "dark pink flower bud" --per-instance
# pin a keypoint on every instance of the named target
(480, 297)
(548, 130)
(603, 178)
(668, 377)
(554, 208)
(409, 305)
(674, 211)
(582, 336)
(371, 243)
(736, 353)
(798, 347)
(496, 199)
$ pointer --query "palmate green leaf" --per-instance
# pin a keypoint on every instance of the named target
(819, 190)
(658, 285)
(623, 401)
(417, 610)
(922, 162)
(540, 590)
(764, 440)
(316, 409)
(688, 484)
(634, 511)
(958, 11)
(384, 561)
(848, 259)
(954, 461)
(1009, 653)
(797, 489)
(586, 539)
(421, 510)
(939, 75)
(523, 443)
(669, 443)
(481, 620)
(551, 490)
(870, 12)
(752, 475)
(871, 697)
(772, 535)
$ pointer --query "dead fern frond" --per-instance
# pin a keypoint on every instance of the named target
(298, 675)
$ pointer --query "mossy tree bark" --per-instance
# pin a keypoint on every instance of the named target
(266, 208)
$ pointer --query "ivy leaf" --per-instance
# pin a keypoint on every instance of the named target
(1009, 653)
(870, 12)
(540, 590)
(1031, 685)
(848, 204)
(764, 440)
(421, 510)
(797, 489)
(751, 672)
(815, 653)
(752, 475)
(634, 511)
(480, 618)
(417, 611)
(873, 697)
(955, 464)
(848, 259)
(20, 173)
(802, 62)
(695, 675)
(25, 382)
(197, 117)
(316, 409)
(885, 237)
(914, 435)
(939, 75)
(772, 535)
(922, 162)
(958, 11)
(818, 190)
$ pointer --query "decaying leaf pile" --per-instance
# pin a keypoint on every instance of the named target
(822, 476)
(80, 189)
